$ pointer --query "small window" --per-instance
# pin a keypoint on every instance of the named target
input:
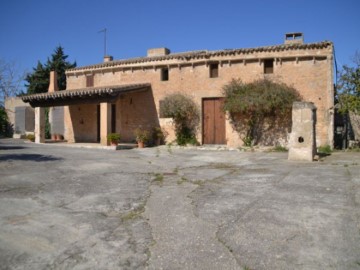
(164, 74)
(214, 70)
(269, 66)
(89, 80)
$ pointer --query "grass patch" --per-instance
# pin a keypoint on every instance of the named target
(279, 148)
(169, 148)
(324, 149)
(133, 214)
(198, 182)
(182, 180)
(158, 178)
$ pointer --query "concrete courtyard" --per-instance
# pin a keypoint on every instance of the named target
(172, 208)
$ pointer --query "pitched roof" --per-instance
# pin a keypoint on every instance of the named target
(95, 94)
(204, 54)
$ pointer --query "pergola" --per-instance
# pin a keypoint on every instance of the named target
(104, 96)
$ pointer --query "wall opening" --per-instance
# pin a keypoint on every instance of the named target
(214, 70)
(89, 80)
(269, 66)
(164, 74)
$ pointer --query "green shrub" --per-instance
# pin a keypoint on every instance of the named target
(6, 129)
(113, 137)
(30, 137)
(142, 135)
(258, 106)
(280, 148)
(324, 149)
(186, 116)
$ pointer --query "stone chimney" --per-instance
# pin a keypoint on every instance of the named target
(53, 86)
(294, 38)
(108, 58)
(158, 52)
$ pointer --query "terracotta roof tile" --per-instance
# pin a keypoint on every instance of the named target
(84, 92)
(186, 56)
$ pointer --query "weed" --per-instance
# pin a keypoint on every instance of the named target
(198, 182)
(157, 152)
(133, 214)
(279, 148)
(324, 149)
(159, 178)
(182, 180)
(169, 148)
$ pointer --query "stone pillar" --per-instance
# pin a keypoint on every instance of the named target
(39, 125)
(105, 122)
(302, 144)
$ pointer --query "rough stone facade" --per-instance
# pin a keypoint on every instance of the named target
(15, 105)
(201, 75)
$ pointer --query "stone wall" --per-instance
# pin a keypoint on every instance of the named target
(18, 110)
(310, 71)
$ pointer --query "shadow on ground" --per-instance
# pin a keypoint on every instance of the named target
(5, 147)
(29, 157)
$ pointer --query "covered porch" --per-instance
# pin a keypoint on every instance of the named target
(91, 113)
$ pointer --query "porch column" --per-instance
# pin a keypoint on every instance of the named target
(105, 122)
(39, 125)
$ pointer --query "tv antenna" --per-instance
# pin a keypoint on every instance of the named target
(104, 31)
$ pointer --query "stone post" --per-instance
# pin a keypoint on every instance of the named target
(39, 125)
(302, 144)
(105, 122)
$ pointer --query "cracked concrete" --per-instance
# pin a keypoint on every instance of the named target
(173, 208)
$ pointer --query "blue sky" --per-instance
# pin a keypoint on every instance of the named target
(30, 30)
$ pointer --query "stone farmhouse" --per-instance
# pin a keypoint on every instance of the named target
(121, 95)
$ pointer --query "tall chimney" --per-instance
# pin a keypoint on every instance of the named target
(53, 86)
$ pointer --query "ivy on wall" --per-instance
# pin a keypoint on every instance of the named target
(258, 106)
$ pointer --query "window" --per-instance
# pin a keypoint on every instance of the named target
(214, 70)
(269, 66)
(164, 74)
(89, 80)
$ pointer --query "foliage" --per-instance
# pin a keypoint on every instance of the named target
(38, 80)
(159, 133)
(186, 116)
(259, 105)
(30, 137)
(279, 148)
(142, 135)
(113, 137)
(5, 126)
(324, 149)
(47, 124)
(10, 80)
(349, 87)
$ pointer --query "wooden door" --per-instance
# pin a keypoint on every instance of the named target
(213, 121)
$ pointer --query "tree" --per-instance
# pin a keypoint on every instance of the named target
(38, 81)
(349, 93)
(10, 80)
(259, 107)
